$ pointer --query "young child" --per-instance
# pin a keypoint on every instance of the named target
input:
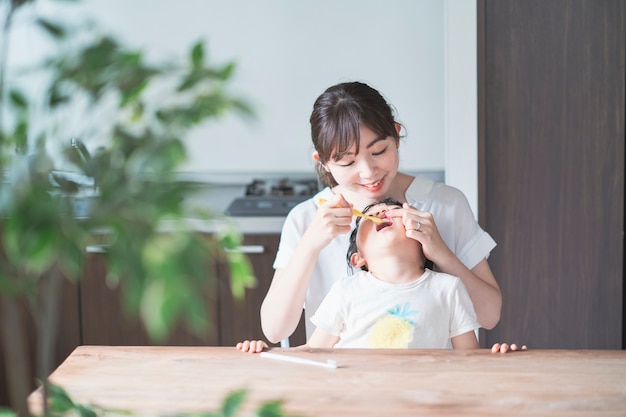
(393, 301)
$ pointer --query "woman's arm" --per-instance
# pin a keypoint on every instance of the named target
(479, 281)
(481, 286)
(282, 306)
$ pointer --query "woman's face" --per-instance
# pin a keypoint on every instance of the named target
(371, 171)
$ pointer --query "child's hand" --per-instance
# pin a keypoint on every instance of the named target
(252, 346)
(505, 347)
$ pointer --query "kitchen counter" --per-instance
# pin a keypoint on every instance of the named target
(215, 197)
(153, 381)
(245, 225)
(217, 190)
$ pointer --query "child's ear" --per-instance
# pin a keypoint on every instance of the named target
(357, 261)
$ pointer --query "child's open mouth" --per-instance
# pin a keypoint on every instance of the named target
(385, 223)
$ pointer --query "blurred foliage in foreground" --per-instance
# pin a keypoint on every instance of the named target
(61, 404)
(118, 195)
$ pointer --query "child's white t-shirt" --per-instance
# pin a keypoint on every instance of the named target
(368, 313)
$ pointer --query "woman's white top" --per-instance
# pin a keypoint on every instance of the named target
(452, 214)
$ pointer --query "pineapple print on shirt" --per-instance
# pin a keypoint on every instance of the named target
(394, 330)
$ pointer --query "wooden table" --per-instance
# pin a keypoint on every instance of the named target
(155, 381)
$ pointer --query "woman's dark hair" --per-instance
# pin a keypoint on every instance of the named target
(337, 116)
(352, 248)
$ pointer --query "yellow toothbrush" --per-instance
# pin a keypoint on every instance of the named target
(358, 213)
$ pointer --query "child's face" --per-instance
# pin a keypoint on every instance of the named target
(375, 239)
(371, 171)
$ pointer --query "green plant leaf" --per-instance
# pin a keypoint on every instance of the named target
(241, 274)
(85, 411)
(20, 137)
(53, 29)
(229, 237)
(56, 97)
(155, 319)
(233, 402)
(31, 230)
(132, 94)
(226, 71)
(189, 81)
(18, 3)
(271, 409)
(18, 99)
(60, 401)
(71, 254)
(197, 55)
(242, 108)
(5, 412)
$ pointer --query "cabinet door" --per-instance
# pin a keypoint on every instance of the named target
(240, 319)
(67, 336)
(68, 333)
(105, 322)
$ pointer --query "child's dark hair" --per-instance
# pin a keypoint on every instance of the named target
(352, 248)
(337, 117)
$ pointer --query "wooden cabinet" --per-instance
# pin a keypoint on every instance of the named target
(104, 321)
(239, 319)
(91, 312)
(67, 334)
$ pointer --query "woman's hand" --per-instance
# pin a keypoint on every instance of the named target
(504, 347)
(333, 218)
(420, 225)
(252, 346)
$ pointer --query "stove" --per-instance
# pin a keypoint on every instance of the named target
(272, 197)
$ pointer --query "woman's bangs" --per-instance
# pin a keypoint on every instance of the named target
(346, 135)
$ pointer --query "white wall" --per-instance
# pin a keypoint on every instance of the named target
(288, 52)
(461, 99)
(420, 53)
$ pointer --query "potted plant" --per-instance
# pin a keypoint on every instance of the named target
(119, 193)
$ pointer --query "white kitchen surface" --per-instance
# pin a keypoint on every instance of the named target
(217, 190)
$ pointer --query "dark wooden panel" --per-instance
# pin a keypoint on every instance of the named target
(106, 322)
(553, 152)
(67, 336)
(240, 319)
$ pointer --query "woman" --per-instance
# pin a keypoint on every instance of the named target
(356, 140)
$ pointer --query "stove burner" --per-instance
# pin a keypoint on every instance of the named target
(272, 197)
(282, 187)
